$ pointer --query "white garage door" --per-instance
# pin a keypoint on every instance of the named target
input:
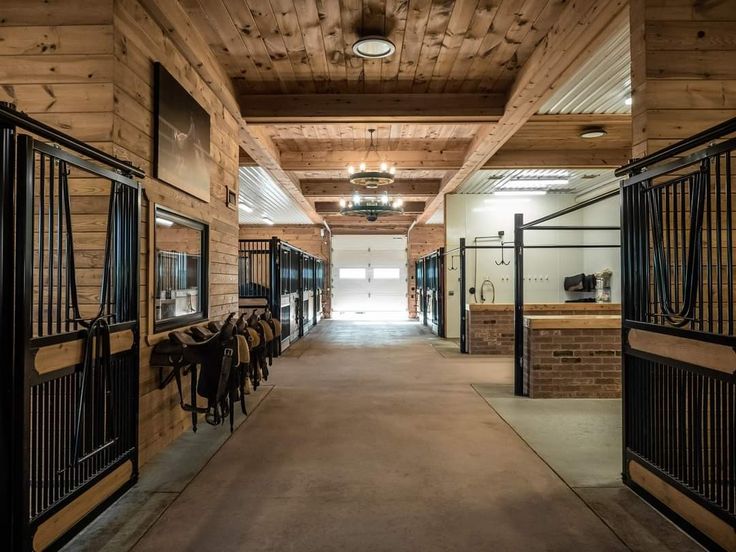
(369, 275)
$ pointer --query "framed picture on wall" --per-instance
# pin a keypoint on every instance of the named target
(181, 137)
(231, 200)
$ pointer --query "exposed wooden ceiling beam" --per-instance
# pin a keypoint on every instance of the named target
(340, 159)
(560, 159)
(245, 160)
(333, 207)
(176, 23)
(581, 28)
(420, 189)
(504, 158)
(365, 108)
(261, 149)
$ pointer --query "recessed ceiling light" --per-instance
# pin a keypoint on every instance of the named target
(373, 47)
(628, 101)
(520, 192)
(593, 132)
(537, 183)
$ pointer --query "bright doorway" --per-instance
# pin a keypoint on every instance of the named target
(369, 278)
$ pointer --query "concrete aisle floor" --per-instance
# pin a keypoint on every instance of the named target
(371, 440)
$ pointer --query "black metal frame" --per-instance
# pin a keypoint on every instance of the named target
(462, 250)
(202, 314)
(678, 280)
(287, 269)
(56, 445)
(519, 246)
(430, 290)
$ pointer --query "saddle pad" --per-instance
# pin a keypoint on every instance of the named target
(267, 331)
(243, 350)
(255, 338)
(276, 327)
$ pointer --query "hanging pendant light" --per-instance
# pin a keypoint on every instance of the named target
(371, 207)
(380, 174)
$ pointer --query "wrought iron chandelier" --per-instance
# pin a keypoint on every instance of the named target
(371, 207)
(371, 177)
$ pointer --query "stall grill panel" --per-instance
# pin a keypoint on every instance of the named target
(73, 365)
(431, 294)
(678, 283)
(277, 274)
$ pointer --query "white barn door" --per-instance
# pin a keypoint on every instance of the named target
(369, 275)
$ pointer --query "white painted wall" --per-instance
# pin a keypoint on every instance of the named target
(605, 213)
(472, 216)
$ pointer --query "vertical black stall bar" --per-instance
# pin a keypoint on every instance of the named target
(22, 359)
(463, 337)
(425, 275)
(135, 315)
(625, 281)
(7, 153)
(441, 292)
(519, 304)
(275, 276)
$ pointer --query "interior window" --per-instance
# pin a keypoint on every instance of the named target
(352, 274)
(180, 270)
(386, 273)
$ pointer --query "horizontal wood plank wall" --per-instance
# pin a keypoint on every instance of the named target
(86, 68)
(422, 239)
(307, 237)
(683, 56)
(139, 41)
(57, 67)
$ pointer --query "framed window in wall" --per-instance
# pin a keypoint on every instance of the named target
(180, 263)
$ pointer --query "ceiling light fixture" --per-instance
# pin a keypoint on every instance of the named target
(536, 183)
(593, 132)
(373, 47)
(267, 220)
(519, 192)
(246, 208)
(369, 177)
(628, 101)
(371, 207)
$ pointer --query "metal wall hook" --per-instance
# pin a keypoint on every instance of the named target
(452, 263)
(502, 262)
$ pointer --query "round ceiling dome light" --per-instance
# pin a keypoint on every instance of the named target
(593, 132)
(373, 47)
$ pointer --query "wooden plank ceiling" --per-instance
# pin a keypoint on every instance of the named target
(308, 102)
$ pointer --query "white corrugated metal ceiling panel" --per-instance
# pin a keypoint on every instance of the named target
(601, 85)
(573, 181)
(260, 196)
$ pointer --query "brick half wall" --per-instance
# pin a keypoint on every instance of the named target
(491, 327)
(572, 363)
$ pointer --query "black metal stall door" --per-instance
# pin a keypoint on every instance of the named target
(75, 361)
(679, 358)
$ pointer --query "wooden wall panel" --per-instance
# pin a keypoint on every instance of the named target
(137, 42)
(422, 239)
(86, 67)
(683, 56)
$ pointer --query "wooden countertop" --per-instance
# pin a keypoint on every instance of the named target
(538, 307)
(573, 322)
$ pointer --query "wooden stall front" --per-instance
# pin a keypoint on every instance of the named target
(490, 328)
(572, 356)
